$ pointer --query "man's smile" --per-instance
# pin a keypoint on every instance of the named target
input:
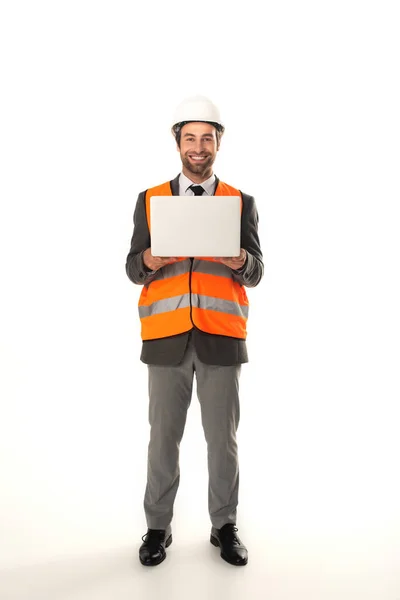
(197, 157)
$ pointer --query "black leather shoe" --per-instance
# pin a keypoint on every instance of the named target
(232, 549)
(152, 551)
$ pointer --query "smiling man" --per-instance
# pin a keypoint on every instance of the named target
(206, 338)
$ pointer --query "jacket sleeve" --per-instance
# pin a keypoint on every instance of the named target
(135, 268)
(252, 271)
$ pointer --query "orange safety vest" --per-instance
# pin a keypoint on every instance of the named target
(198, 292)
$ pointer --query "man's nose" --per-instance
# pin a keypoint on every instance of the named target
(199, 146)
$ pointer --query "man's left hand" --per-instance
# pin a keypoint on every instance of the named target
(234, 262)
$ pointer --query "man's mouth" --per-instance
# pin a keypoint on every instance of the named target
(197, 157)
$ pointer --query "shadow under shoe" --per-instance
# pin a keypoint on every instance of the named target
(152, 551)
(233, 550)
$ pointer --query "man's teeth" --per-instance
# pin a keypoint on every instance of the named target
(198, 157)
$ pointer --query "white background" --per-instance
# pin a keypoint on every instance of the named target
(309, 92)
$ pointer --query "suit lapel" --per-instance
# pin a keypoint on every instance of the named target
(175, 186)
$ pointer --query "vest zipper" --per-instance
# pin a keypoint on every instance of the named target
(190, 290)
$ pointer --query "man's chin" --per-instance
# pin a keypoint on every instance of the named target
(197, 169)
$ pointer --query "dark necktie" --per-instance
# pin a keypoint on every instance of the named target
(197, 190)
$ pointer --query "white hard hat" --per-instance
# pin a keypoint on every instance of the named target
(197, 108)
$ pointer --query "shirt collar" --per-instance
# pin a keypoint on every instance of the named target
(185, 183)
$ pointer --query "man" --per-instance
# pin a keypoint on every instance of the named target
(193, 313)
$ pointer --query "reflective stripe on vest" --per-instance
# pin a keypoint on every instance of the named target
(173, 302)
(182, 301)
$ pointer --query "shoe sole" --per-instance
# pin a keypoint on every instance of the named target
(215, 542)
(154, 564)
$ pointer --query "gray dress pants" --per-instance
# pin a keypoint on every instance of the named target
(170, 392)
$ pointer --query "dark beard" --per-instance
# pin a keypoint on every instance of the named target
(198, 169)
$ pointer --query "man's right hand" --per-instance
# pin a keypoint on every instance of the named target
(156, 262)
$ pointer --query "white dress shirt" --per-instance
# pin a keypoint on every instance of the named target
(185, 183)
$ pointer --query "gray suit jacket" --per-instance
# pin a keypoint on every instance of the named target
(211, 349)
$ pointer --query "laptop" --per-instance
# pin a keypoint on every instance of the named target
(192, 226)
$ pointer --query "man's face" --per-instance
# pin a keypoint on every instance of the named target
(198, 148)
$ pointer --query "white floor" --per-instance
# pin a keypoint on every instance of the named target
(320, 519)
(355, 566)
